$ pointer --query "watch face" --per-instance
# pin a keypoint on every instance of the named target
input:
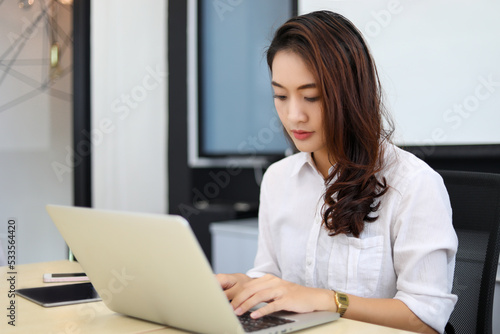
(343, 299)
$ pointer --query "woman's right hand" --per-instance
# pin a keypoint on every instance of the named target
(232, 284)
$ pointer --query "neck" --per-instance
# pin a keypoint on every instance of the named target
(322, 163)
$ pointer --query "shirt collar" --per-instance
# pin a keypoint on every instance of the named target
(303, 159)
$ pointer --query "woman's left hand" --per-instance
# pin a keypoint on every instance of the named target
(281, 295)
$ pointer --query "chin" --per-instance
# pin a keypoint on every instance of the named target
(304, 148)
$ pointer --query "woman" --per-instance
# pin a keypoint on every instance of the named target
(351, 219)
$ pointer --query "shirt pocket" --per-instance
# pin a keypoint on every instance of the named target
(364, 264)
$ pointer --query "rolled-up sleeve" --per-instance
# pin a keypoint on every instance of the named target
(425, 246)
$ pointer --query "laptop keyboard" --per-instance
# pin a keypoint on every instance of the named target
(267, 321)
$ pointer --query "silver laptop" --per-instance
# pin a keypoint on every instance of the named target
(151, 267)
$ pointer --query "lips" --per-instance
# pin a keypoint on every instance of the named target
(301, 135)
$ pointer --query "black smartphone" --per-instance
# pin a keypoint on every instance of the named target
(64, 277)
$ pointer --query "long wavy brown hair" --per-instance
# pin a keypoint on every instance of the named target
(353, 114)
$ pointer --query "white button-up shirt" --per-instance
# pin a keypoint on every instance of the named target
(408, 253)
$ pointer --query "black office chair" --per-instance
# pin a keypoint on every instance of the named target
(475, 200)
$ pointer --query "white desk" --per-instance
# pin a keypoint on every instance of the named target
(97, 318)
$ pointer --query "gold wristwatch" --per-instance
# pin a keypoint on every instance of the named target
(342, 302)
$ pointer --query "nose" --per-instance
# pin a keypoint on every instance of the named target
(296, 111)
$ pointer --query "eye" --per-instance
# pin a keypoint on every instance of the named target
(279, 97)
(312, 99)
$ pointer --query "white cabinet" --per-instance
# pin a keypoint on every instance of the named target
(234, 245)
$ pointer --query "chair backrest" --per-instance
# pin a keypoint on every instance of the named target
(475, 200)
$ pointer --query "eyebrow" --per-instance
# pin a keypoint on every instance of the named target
(306, 86)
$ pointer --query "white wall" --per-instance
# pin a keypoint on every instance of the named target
(35, 130)
(438, 63)
(129, 105)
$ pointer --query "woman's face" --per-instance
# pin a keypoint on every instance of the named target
(298, 102)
